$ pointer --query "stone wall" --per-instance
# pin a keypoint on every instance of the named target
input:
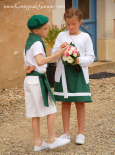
(13, 35)
(106, 30)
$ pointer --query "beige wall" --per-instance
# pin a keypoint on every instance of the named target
(13, 35)
(106, 30)
(58, 14)
(14, 32)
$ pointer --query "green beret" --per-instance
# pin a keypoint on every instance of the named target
(36, 21)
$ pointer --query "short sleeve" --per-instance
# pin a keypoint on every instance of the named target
(37, 48)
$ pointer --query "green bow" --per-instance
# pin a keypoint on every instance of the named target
(72, 44)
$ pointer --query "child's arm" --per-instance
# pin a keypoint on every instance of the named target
(77, 60)
(64, 44)
(41, 61)
(44, 60)
(89, 54)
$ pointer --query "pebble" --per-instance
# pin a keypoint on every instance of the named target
(16, 130)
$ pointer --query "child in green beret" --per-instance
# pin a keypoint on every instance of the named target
(39, 99)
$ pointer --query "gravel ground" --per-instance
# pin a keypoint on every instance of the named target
(16, 136)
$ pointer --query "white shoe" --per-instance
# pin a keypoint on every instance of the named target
(80, 139)
(65, 136)
(58, 142)
(42, 147)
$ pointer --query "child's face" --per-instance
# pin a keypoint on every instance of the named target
(73, 24)
(43, 31)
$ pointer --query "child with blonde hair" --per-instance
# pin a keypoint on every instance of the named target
(39, 99)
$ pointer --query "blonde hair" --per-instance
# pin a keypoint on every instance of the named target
(73, 12)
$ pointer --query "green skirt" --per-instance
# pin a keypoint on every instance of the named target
(78, 90)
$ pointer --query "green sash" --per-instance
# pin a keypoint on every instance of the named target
(45, 87)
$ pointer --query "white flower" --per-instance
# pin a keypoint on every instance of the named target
(64, 58)
(72, 48)
(70, 52)
(74, 54)
(69, 59)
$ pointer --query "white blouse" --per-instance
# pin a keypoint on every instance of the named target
(29, 58)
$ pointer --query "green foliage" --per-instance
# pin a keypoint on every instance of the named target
(64, 62)
(74, 62)
(52, 35)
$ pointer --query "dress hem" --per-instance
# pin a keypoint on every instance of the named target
(74, 98)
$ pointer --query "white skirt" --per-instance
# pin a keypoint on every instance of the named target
(34, 100)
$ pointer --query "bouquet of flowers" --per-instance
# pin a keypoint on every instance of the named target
(70, 55)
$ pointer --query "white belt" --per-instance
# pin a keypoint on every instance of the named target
(61, 71)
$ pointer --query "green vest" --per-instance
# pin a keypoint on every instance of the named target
(45, 87)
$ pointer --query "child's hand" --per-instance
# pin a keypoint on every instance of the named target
(28, 69)
(64, 44)
(62, 50)
(77, 60)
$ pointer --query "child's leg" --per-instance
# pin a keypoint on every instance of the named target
(54, 142)
(66, 115)
(51, 127)
(36, 130)
(80, 107)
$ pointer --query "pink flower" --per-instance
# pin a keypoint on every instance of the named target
(77, 53)
(67, 54)
(64, 54)
(69, 46)
(73, 51)
(76, 49)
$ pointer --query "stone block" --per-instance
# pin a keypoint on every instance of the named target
(105, 29)
(101, 50)
(106, 50)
